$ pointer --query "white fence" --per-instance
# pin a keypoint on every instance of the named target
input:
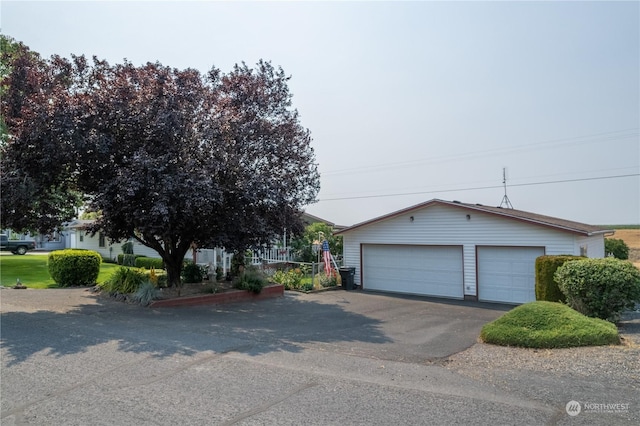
(214, 258)
(219, 257)
(272, 255)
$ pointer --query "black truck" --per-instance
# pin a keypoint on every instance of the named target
(16, 246)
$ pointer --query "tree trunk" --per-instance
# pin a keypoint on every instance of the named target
(174, 269)
(172, 255)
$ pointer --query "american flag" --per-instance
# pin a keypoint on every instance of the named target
(326, 256)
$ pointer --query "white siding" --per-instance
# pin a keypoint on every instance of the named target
(594, 245)
(448, 225)
(93, 243)
(205, 256)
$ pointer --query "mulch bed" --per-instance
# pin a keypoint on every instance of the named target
(194, 289)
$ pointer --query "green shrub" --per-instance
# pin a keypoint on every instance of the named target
(323, 280)
(149, 263)
(74, 267)
(219, 273)
(121, 259)
(601, 288)
(127, 248)
(251, 280)
(158, 277)
(616, 248)
(192, 273)
(548, 325)
(146, 293)
(546, 286)
(129, 260)
(238, 262)
(290, 279)
(162, 279)
(124, 280)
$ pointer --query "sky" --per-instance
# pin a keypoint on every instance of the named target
(410, 101)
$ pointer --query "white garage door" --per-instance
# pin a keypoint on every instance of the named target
(507, 274)
(423, 270)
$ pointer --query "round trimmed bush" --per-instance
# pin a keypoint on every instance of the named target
(548, 325)
(600, 288)
(73, 267)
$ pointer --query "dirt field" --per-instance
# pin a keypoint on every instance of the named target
(631, 237)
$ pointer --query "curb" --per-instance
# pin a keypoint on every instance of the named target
(268, 292)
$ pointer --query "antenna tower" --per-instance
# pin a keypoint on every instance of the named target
(505, 200)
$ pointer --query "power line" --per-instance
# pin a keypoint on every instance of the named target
(554, 143)
(537, 177)
(479, 188)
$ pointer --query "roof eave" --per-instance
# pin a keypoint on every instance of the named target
(479, 209)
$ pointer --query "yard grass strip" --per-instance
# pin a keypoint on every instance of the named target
(33, 272)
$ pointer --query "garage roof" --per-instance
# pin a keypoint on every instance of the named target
(534, 218)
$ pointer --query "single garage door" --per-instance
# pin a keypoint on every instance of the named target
(423, 270)
(507, 274)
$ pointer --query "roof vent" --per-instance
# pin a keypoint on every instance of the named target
(477, 204)
(457, 202)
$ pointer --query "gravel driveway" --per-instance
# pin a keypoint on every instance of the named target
(571, 374)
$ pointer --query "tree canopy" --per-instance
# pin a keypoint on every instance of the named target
(171, 157)
(315, 234)
(38, 186)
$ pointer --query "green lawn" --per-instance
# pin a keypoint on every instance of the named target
(33, 273)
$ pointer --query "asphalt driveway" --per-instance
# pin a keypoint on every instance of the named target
(364, 324)
(69, 357)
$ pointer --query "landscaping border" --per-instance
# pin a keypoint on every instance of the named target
(233, 296)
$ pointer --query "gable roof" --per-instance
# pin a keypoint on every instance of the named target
(533, 218)
(308, 219)
(79, 224)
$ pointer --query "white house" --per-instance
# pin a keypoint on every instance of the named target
(462, 251)
(77, 237)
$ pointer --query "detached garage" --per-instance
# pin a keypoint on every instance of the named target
(462, 251)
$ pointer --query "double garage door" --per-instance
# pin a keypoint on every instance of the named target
(504, 274)
(424, 270)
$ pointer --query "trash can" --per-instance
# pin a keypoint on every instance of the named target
(347, 276)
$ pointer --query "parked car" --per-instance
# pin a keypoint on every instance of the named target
(16, 246)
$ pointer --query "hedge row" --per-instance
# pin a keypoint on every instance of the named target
(140, 261)
(546, 286)
(149, 263)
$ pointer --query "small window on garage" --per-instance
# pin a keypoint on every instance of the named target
(583, 251)
(101, 242)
